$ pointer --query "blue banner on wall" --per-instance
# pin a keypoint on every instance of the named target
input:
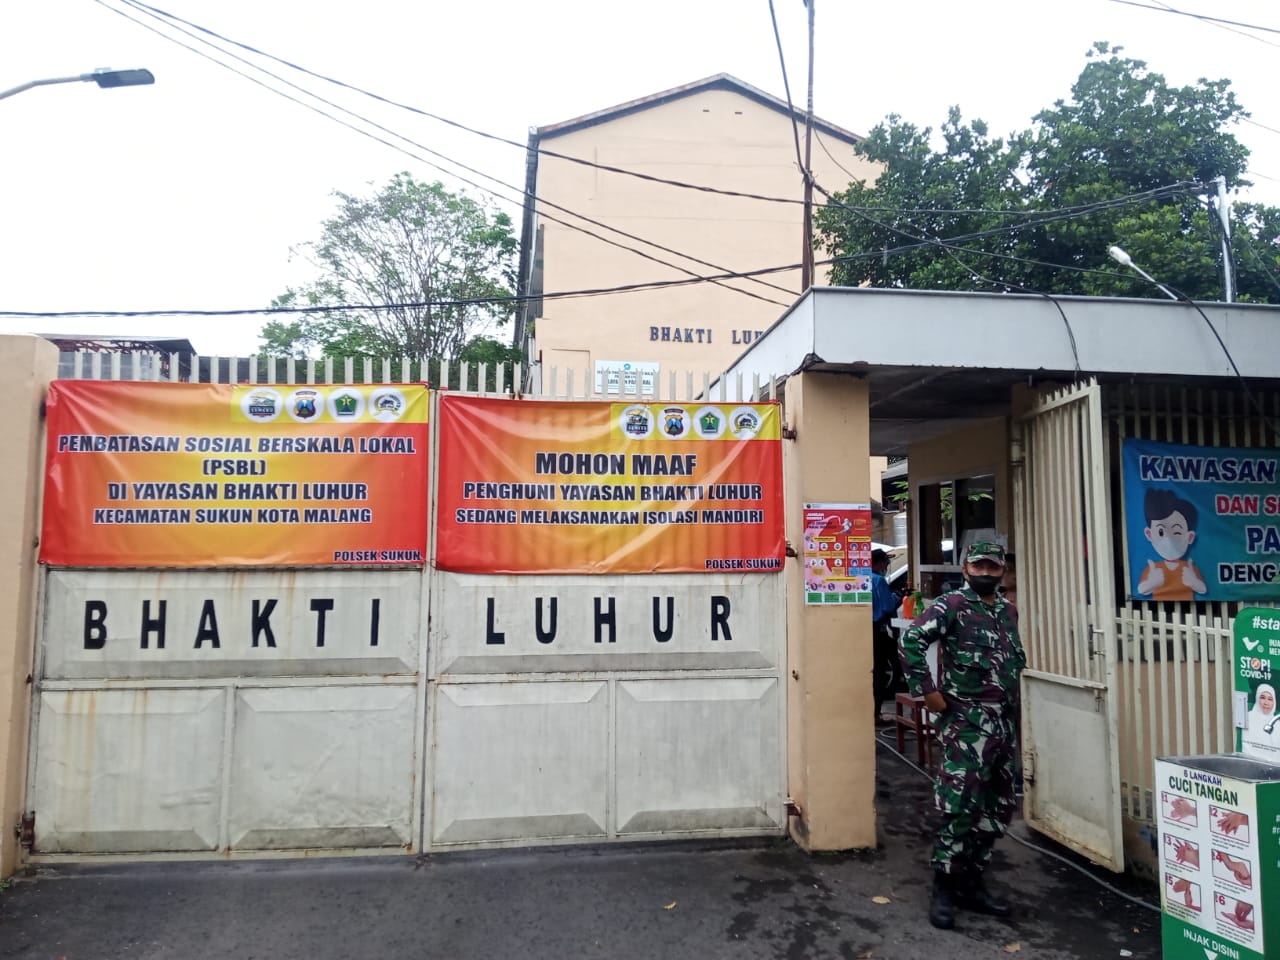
(1203, 523)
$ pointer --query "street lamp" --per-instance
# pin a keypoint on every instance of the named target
(1122, 258)
(103, 78)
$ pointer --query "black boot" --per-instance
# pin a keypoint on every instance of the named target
(942, 908)
(971, 893)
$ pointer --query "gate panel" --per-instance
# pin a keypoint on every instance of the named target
(188, 624)
(1069, 728)
(689, 755)
(631, 706)
(203, 710)
(520, 761)
(128, 771)
(327, 767)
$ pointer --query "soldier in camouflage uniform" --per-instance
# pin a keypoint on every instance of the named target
(976, 705)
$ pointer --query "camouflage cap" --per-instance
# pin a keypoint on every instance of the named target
(985, 550)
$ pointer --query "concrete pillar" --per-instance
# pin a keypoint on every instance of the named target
(29, 363)
(831, 761)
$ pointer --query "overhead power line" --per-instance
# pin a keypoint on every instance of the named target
(445, 158)
(164, 15)
(365, 307)
(454, 123)
(633, 287)
(1197, 16)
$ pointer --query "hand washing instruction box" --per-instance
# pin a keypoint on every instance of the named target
(1219, 857)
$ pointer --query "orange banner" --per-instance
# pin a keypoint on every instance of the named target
(142, 474)
(532, 486)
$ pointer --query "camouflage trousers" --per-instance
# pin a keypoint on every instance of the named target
(974, 790)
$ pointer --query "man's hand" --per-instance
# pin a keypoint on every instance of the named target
(935, 702)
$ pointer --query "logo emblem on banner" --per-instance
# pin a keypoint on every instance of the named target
(709, 423)
(305, 405)
(745, 423)
(386, 404)
(346, 403)
(262, 405)
(637, 422)
(675, 422)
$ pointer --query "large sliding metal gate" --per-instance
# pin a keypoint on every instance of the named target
(432, 736)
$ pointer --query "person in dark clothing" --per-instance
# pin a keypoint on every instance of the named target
(886, 670)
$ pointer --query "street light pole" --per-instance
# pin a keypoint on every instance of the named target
(103, 78)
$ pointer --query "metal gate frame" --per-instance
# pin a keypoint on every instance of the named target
(1070, 736)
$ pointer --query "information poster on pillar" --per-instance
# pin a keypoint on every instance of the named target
(1202, 523)
(531, 486)
(1257, 667)
(1218, 850)
(837, 553)
(144, 474)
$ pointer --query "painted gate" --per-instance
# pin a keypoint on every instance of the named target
(400, 707)
(1069, 711)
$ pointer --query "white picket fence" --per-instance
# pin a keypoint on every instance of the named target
(512, 380)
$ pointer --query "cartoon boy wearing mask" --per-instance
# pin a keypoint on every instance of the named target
(1171, 523)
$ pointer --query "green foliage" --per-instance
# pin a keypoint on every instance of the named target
(438, 257)
(1125, 130)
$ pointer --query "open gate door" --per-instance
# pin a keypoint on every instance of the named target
(1067, 618)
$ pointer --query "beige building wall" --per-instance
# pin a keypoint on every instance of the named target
(715, 136)
(831, 760)
(30, 363)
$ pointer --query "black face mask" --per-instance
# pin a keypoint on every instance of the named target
(984, 586)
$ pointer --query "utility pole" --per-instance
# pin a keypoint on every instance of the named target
(1224, 221)
(806, 261)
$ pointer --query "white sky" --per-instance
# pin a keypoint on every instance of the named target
(189, 194)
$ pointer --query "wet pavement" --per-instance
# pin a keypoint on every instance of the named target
(744, 899)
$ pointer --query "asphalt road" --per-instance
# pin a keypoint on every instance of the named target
(702, 901)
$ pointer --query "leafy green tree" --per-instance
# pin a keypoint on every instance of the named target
(435, 264)
(1125, 131)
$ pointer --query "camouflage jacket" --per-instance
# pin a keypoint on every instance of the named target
(981, 655)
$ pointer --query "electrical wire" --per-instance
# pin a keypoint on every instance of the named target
(950, 251)
(952, 242)
(1229, 260)
(162, 14)
(845, 170)
(786, 87)
(1180, 296)
(1111, 888)
(1158, 193)
(1262, 125)
(462, 126)
(447, 159)
(1222, 26)
(1247, 241)
(1244, 384)
(571, 294)
(351, 307)
(1197, 16)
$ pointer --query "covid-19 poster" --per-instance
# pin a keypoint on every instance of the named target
(1257, 672)
(1202, 523)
